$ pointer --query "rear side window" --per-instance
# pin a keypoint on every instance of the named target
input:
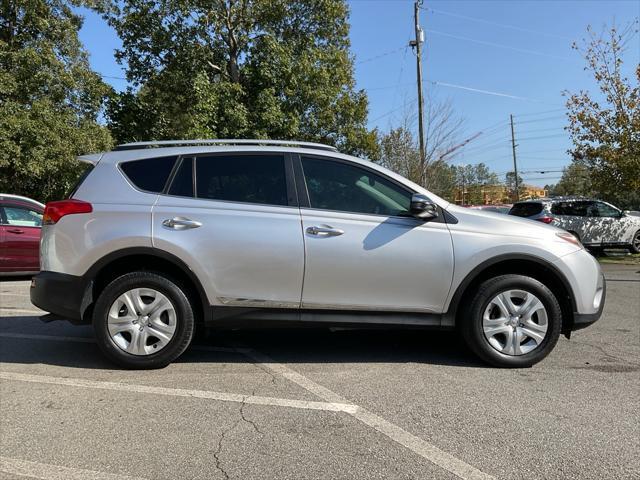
(242, 178)
(150, 174)
(527, 209)
(573, 209)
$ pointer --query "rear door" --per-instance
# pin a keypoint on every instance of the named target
(21, 226)
(363, 250)
(233, 218)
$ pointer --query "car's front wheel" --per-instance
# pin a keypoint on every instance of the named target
(143, 320)
(512, 321)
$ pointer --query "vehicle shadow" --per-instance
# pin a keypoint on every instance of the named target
(285, 345)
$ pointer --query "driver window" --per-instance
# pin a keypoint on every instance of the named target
(346, 188)
(605, 210)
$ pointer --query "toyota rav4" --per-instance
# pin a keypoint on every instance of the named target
(159, 237)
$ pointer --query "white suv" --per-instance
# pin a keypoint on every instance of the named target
(156, 240)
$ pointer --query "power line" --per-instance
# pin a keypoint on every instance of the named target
(503, 25)
(544, 136)
(384, 54)
(541, 119)
(497, 45)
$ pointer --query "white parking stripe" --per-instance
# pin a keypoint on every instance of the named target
(417, 445)
(4, 311)
(44, 471)
(10, 294)
(334, 402)
(179, 392)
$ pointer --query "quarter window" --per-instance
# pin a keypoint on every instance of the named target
(347, 188)
(150, 174)
(242, 178)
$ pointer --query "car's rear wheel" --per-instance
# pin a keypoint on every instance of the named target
(143, 320)
(512, 321)
(635, 243)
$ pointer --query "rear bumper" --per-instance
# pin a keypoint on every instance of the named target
(61, 294)
(583, 320)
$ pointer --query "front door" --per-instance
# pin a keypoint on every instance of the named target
(363, 250)
(233, 219)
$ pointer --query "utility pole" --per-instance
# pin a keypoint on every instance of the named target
(417, 43)
(515, 163)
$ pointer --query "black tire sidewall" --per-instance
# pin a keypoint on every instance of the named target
(472, 321)
(632, 249)
(184, 319)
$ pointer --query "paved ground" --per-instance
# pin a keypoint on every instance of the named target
(317, 404)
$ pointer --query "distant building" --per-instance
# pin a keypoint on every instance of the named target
(494, 194)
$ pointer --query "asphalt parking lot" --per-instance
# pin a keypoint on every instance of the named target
(320, 404)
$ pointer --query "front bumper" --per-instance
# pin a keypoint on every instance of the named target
(60, 294)
(583, 320)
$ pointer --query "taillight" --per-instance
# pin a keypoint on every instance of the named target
(546, 220)
(54, 211)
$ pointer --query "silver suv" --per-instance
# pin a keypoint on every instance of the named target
(595, 223)
(155, 241)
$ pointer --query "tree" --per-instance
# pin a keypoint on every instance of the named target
(510, 184)
(575, 180)
(400, 152)
(605, 128)
(49, 99)
(239, 68)
(472, 181)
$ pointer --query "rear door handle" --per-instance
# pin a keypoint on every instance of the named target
(181, 223)
(15, 230)
(324, 231)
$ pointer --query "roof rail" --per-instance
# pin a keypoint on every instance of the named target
(177, 143)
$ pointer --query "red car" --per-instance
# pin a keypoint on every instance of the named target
(20, 222)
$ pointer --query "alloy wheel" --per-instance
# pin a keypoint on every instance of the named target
(515, 322)
(142, 321)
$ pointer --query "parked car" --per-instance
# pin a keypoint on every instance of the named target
(155, 240)
(492, 208)
(595, 223)
(20, 222)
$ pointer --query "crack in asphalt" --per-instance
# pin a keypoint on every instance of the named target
(243, 418)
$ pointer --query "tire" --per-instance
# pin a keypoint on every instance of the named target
(635, 243)
(488, 336)
(152, 337)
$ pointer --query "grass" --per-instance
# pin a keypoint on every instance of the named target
(619, 257)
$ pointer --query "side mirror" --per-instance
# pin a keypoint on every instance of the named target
(423, 208)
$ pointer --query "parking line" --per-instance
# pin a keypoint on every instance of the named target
(45, 471)
(179, 392)
(334, 402)
(417, 445)
(20, 310)
(10, 294)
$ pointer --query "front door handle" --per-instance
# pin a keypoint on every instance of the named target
(181, 223)
(15, 230)
(324, 231)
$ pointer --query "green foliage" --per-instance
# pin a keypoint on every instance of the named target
(49, 99)
(510, 184)
(605, 127)
(575, 181)
(239, 68)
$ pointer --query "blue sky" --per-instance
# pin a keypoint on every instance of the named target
(517, 52)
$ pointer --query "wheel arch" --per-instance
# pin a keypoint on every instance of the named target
(521, 264)
(150, 259)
